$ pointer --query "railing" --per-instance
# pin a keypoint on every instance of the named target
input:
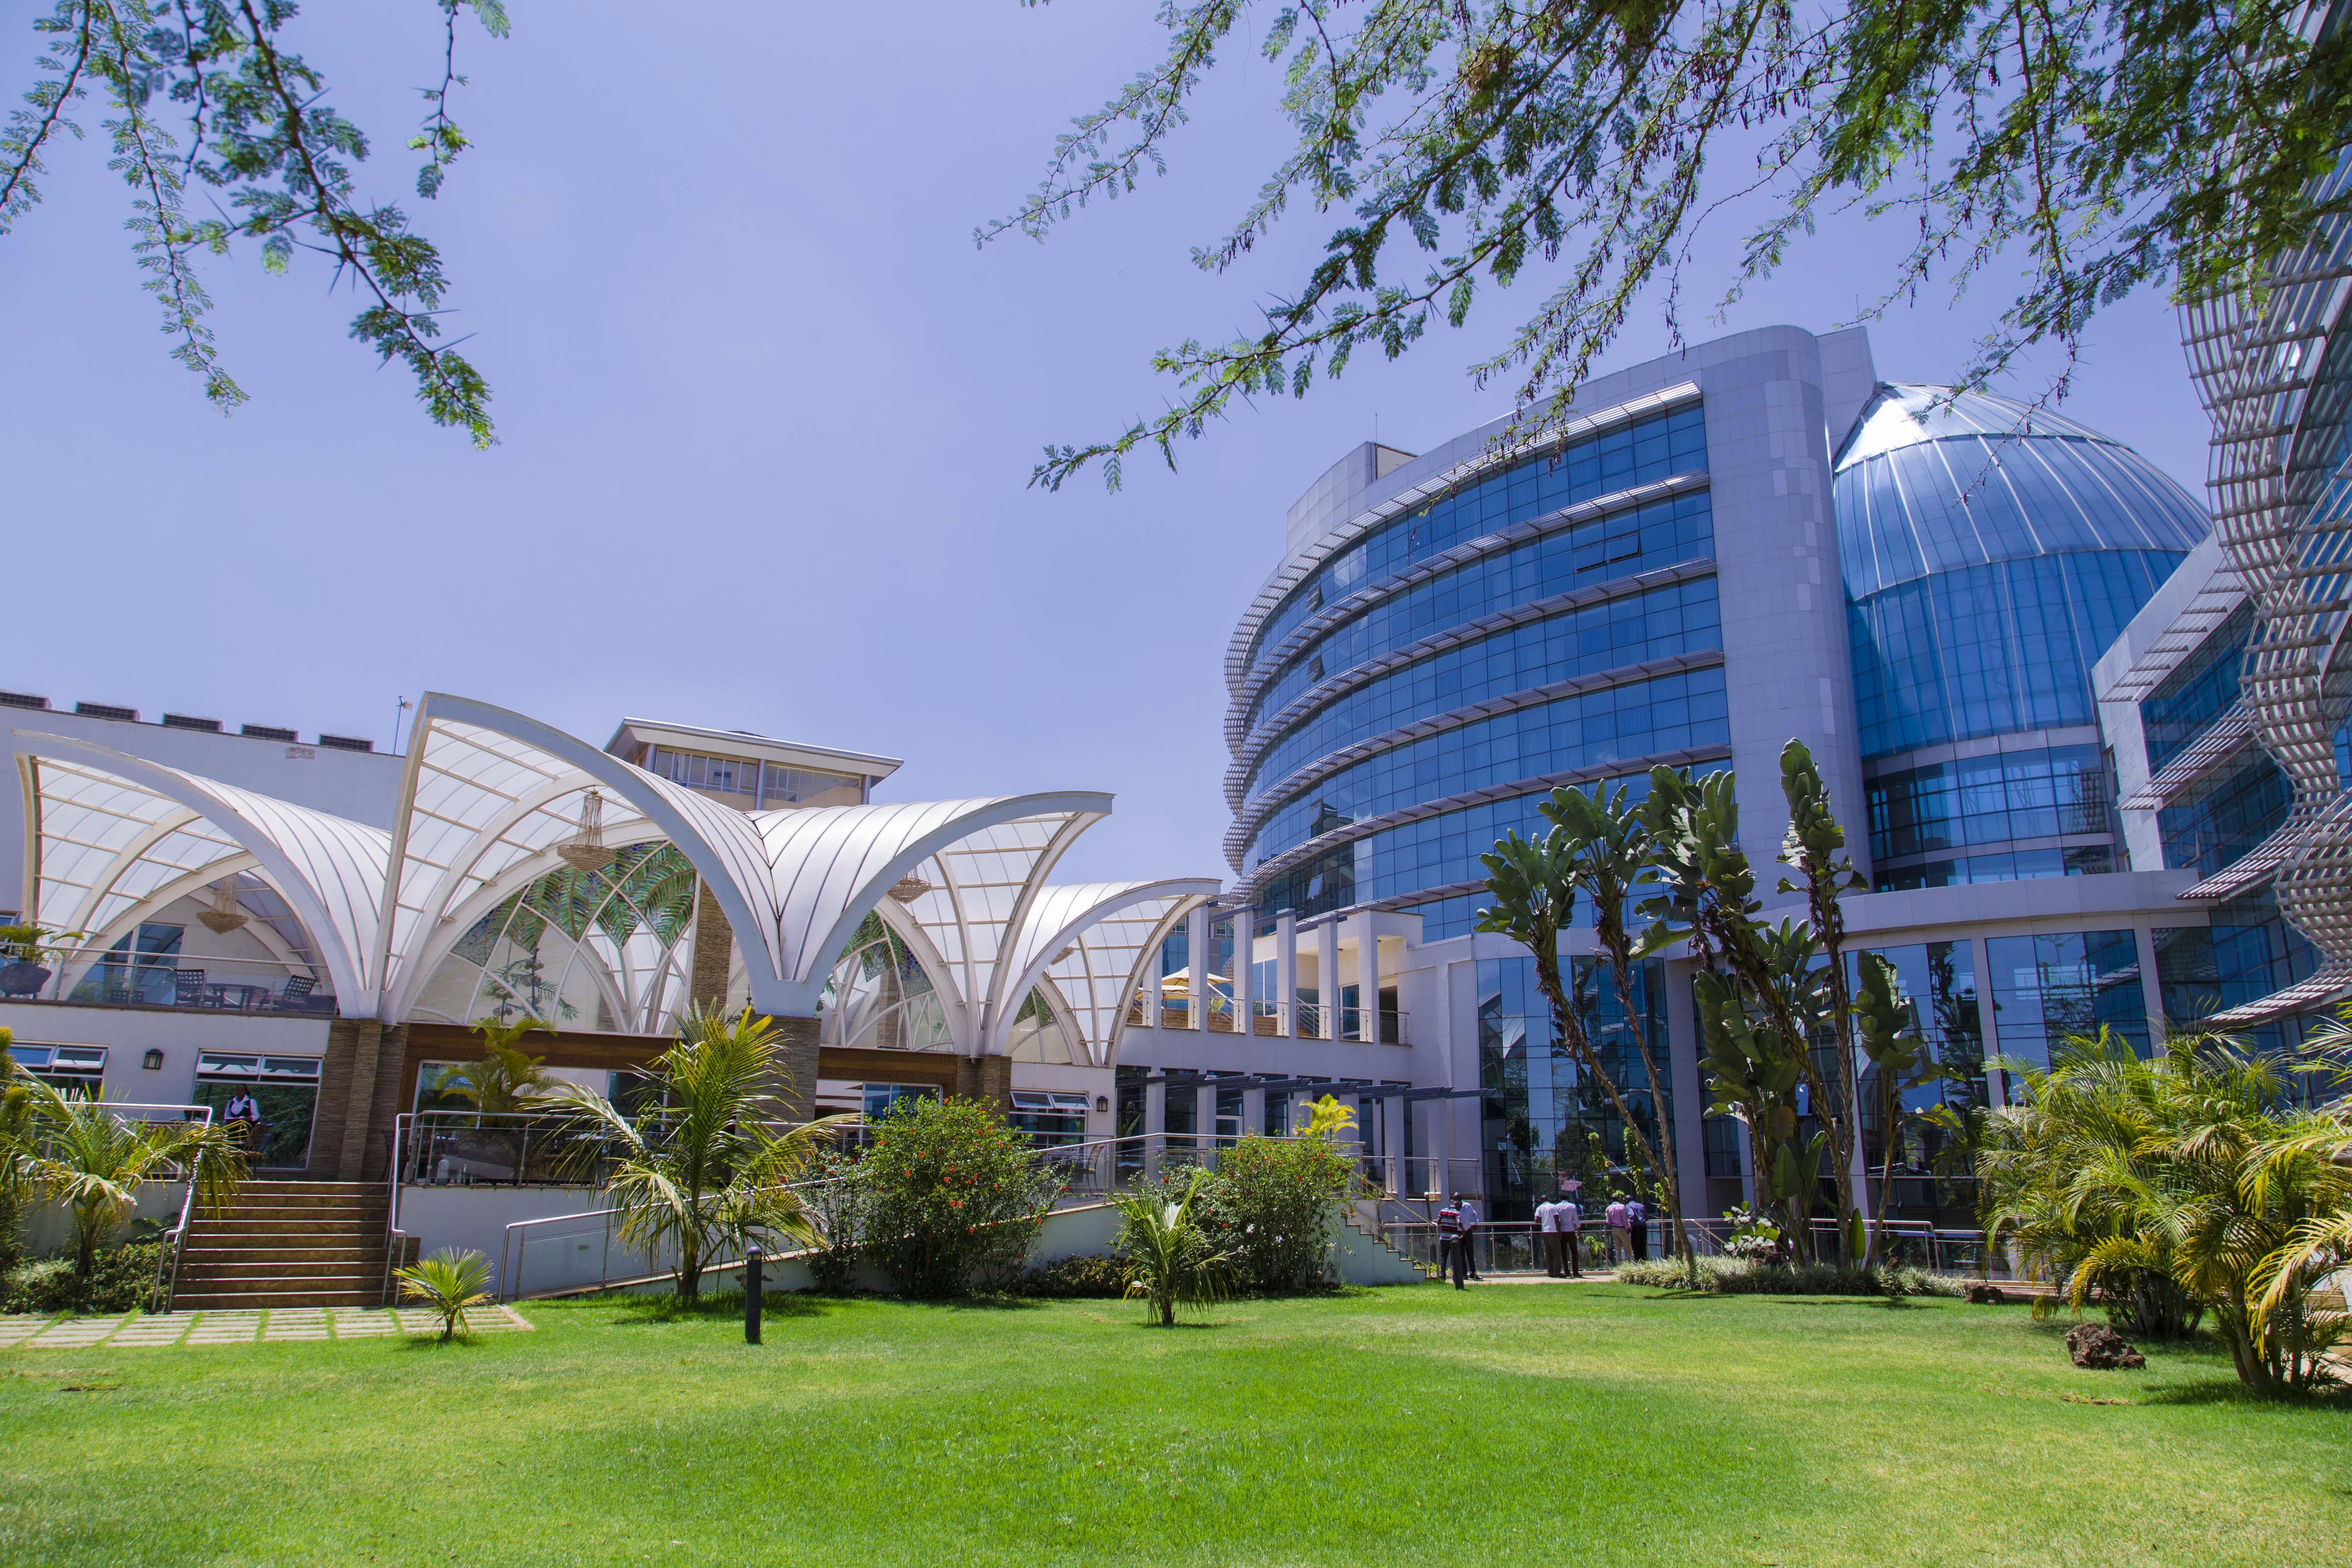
(174, 980)
(1296, 1020)
(1516, 1247)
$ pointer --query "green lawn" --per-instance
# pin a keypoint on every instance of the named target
(1512, 1423)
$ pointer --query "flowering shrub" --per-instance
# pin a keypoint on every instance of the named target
(950, 1199)
(1272, 1205)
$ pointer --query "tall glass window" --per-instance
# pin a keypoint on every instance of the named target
(2047, 988)
(1634, 453)
(1539, 1105)
(2202, 688)
(1940, 990)
(2246, 954)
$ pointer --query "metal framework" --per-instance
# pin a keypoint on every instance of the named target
(2268, 372)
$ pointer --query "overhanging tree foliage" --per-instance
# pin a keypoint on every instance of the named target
(2096, 145)
(206, 91)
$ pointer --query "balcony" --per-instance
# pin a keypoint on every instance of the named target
(107, 978)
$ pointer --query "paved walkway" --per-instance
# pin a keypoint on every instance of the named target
(271, 1325)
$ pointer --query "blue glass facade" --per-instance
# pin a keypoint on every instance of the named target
(2246, 954)
(1924, 820)
(1635, 453)
(1990, 554)
(1673, 712)
(1683, 618)
(2211, 825)
(1602, 550)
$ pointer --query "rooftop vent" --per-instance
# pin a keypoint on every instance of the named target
(182, 721)
(106, 711)
(269, 733)
(19, 699)
(346, 744)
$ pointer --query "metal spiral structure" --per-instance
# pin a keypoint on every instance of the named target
(2277, 382)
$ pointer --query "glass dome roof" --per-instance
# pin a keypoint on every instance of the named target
(1933, 480)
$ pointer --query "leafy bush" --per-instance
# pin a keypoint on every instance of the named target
(1745, 1277)
(837, 1204)
(950, 1198)
(120, 1278)
(1272, 1205)
(1077, 1279)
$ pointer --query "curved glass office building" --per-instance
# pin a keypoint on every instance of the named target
(1990, 552)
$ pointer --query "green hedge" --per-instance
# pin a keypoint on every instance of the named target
(121, 1278)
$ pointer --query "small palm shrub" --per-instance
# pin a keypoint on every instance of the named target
(950, 1198)
(1171, 1260)
(449, 1283)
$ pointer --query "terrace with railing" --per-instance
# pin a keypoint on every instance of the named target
(112, 977)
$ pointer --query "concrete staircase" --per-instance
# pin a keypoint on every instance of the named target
(288, 1244)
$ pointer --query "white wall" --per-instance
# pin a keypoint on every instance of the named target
(129, 1032)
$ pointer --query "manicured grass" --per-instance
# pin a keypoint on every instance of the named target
(1512, 1423)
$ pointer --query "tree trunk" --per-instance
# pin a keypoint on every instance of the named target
(87, 1223)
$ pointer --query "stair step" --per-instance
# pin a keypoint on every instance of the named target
(236, 1224)
(242, 1301)
(206, 1256)
(297, 1211)
(278, 1268)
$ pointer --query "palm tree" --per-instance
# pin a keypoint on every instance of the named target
(77, 1151)
(15, 1187)
(1169, 1258)
(451, 1283)
(2177, 1187)
(1609, 848)
(506, 1076)
(699, 1168)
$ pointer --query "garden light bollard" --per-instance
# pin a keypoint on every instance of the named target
(753, 1285)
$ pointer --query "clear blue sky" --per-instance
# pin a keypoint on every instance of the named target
(767, 415)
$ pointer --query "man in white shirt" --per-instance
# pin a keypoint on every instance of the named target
(1570, 1218)
(1547, 1229)
(1469, 1236)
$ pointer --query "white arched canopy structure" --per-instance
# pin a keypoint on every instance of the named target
(1086, 940)
(109, 836)
(488, 799)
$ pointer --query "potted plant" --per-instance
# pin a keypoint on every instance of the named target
(22, 948)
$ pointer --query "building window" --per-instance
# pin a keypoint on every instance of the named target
(2248, 951)
(878, 1099)
(2223, 816)
(1052, 1119)
(142, 967)
(276, 1098)
(2202, 688)
(71, 1069)
(2049, 989)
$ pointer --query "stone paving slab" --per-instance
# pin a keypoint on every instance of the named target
(274, 1325)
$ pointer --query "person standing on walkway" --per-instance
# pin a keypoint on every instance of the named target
(1469, 1236)
(1548, 1231)
(1637, 1226)
(1620, 1244)
(1570, 1219)
(1451, 1251)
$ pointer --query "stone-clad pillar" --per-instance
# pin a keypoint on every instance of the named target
(714, 951)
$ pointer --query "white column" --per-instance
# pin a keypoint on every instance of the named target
(1155, 1127)
(1204, 1115)
(1286, 974)
(1368, 979)
(1197, 945)
(1254, 1110)
(1245, 970)
(1393, 1111)
(1327, 978)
